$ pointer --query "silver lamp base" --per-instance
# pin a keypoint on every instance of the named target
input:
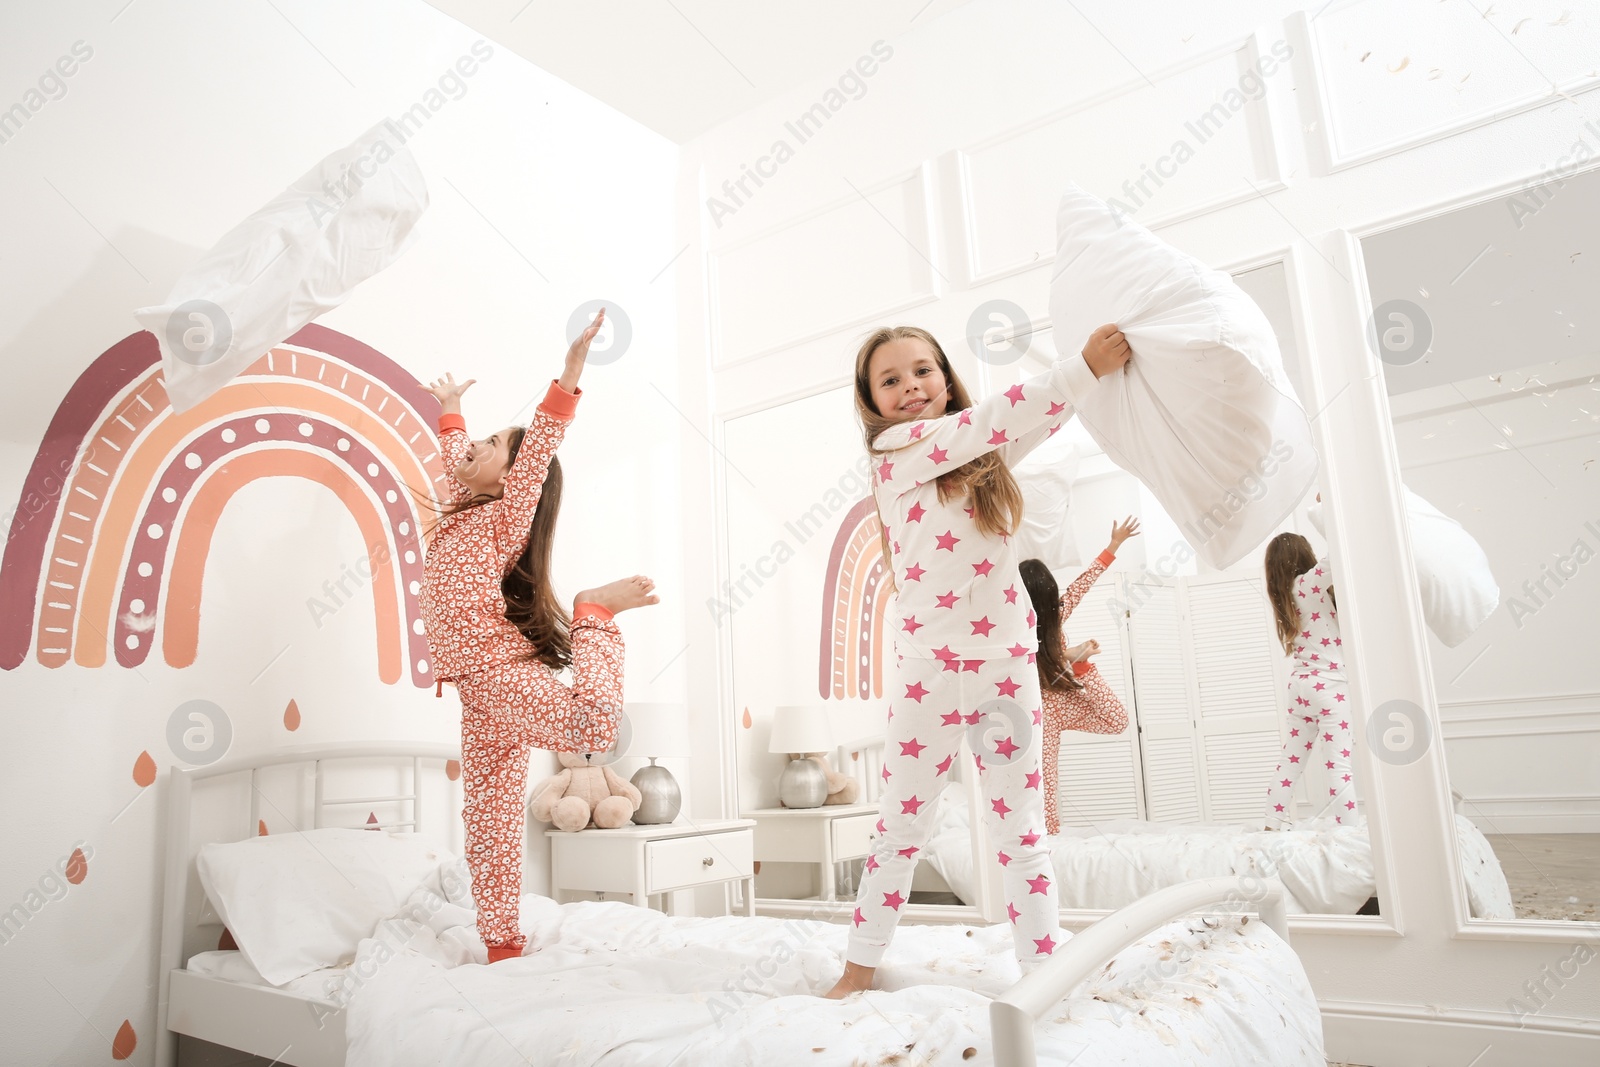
(660, 799)
(804, 785)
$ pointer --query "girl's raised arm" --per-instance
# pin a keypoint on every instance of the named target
(920, 451)
(453, 439)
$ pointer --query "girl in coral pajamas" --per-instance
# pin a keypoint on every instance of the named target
(1300, 588)
(1076, 697)
(498, 633)
(964, 630)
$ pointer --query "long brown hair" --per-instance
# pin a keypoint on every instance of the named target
(996, 498)
(1054, 670)
(531, 604)
(1288, 557)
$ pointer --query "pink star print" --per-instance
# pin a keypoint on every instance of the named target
(915, 691)
(947, 540)
(939, 455)
(944, 764)
(1040, 884)
(916, 432)
(911, 624)
(907, 852)
(912, 748)
(998, 437)
(983, 568)
(916, 513)
(1004, 859)
(914, 573)
(1000, 807)
(859, 918)
(909, 807)
(950, 718)
(1018, 650)
(1006, 747)
(884, 470)
(982, 626)
(965, 418)
(1030, 838)
(893, 900)
(871, 864)
(1011, 594)
(1056, 408)
(1007, 688)
(1032, 619)
(1046, 945)
(1014, 394)
(948, 600)
(1011, 910)
(1033, 780)
(971, 666)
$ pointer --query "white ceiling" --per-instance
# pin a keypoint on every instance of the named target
(680, 67)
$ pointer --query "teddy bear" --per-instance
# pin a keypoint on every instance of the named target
(842, 789)
(584, 794)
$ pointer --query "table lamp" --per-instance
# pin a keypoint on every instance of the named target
(799, 729)
(655, 731)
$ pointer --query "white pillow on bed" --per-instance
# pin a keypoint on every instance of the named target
(298, 902)
(1202, 414)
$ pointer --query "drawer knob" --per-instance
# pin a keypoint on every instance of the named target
(708, 861)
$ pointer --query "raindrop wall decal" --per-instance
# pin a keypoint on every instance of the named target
(144, 770)
(77, 867)
(125, 1042)
(291, 716)
(372, 821)
(261, 828)
(452, 769)
(747, 718)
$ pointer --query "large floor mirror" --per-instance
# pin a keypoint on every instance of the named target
(1485, 322)
(1195, 785)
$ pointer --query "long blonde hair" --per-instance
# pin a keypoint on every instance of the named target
(996, 497)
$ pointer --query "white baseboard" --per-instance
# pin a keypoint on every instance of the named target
(1384, 1035)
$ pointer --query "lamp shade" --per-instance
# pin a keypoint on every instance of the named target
(802, 728)
(654, 730)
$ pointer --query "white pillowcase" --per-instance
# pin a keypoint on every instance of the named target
(1045, 478)
(298, 902)
(1457, 587)
(1202, 414)
(297, 257)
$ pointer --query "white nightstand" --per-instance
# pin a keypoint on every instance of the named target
(825, 836)
(649, 860)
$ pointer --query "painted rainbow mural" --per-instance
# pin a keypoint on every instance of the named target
(855, 594)
(109, 541)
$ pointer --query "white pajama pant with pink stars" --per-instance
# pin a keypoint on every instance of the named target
(935, 704)
(1318, 730)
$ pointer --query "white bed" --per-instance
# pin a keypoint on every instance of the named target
(615, 984)
(1325, 868)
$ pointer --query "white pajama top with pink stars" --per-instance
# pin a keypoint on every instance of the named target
(1317, 706)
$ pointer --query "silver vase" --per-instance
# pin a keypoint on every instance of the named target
(804, 784)
(660, 800)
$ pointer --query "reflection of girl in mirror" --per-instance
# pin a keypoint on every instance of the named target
(1300, 588)
(1076, 697)
(964, 630)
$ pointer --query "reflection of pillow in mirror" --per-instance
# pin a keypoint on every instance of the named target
(1045, 479)
(1457, 587)
(1202, 414)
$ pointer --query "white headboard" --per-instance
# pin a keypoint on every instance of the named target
(181, 909)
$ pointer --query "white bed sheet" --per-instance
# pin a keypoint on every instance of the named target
(1326, 867)
(229, 965)
(613, 985)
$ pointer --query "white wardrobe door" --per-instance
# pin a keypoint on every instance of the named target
(1164, 703)
(1231, 634)
(1099, 774)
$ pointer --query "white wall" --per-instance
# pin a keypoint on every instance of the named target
(187, 117)
(932, 190)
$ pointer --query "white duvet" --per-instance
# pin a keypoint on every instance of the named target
(614, 984)
(1326, 868)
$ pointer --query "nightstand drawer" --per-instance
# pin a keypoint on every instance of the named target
(680, 862)
(853, 837)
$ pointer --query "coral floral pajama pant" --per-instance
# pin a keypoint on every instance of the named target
(935, 704)
(506, 712)
(1318, 729)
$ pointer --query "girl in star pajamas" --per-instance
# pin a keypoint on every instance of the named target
(1076, 697)
(1300, 588)
(964, 627)
(497, 632)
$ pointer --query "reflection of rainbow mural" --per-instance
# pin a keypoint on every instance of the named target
(118, 510)
(854, 598)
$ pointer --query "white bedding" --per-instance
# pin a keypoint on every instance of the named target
(230, 965)
(1326, 867)
(616, 985)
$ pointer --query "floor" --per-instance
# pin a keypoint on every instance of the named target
(1552, 876)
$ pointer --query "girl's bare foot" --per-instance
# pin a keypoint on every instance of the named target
(620, 595)
(856, 979)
